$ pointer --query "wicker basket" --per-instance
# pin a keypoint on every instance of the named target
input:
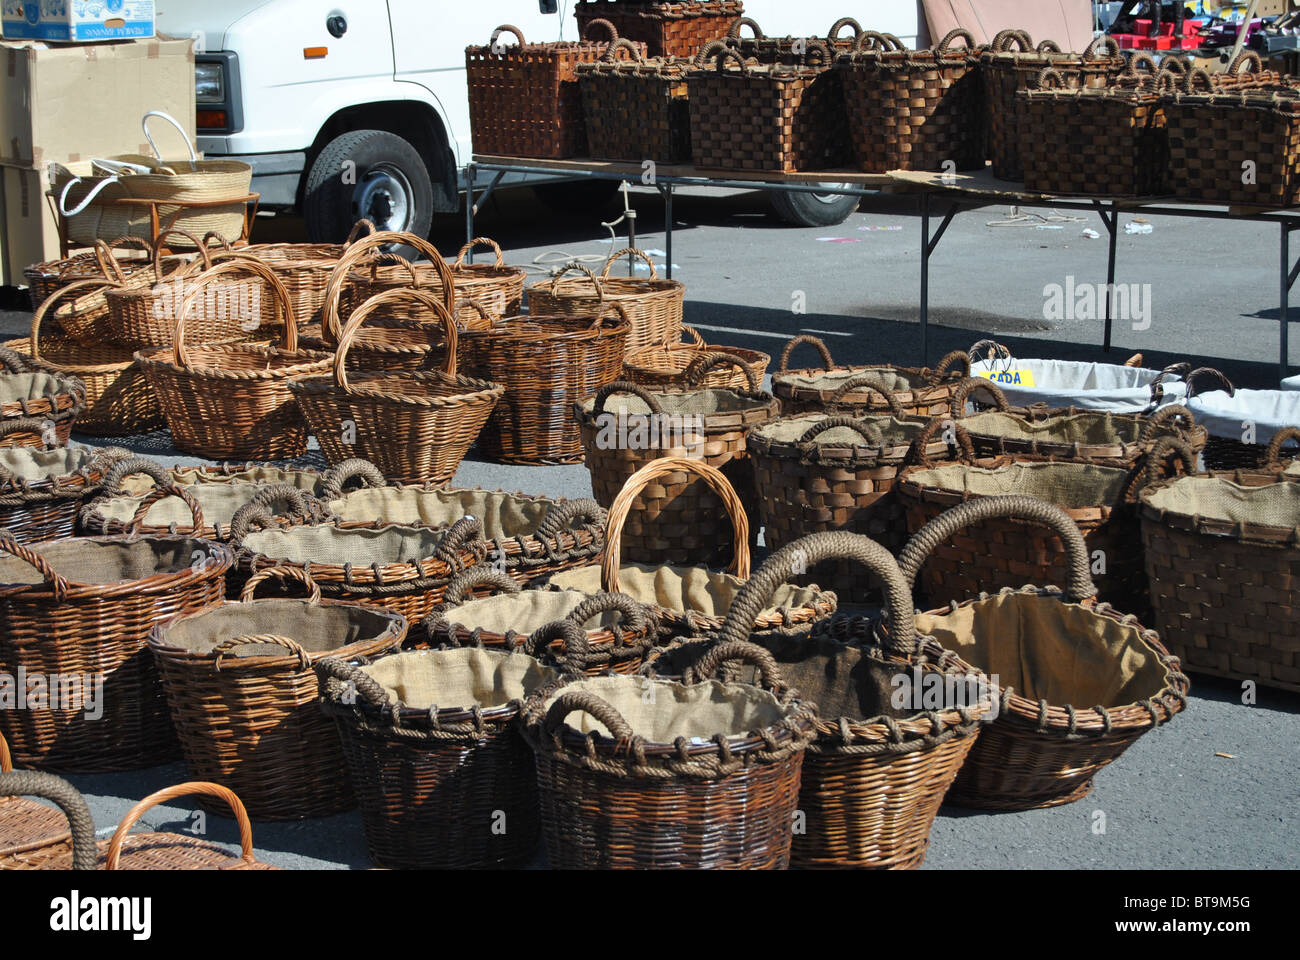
(818, 473)
(691, 601)
(675, 29)
(90, 620)
(673, 365)
(105, 262)
(1242, 424)
(366, 270)
(913, 109)
(674, 521)
(430, 738)
(546, 364)
(230, 401)
(712, 782)
(1079, 681)
(788, 51)
(414, 426)
(923, 392)
(495, 287)
(524, 100)
(84, 318)
(42, 491)
(243, 694)
(1221, 557)
(652, 93)
(653, 307)
(142, 316)
(27, 393)
(32, 834)
(305, 268)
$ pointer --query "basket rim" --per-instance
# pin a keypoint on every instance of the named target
(222, 559)
(482, 391)
(297, 363)
(1246, 531)
(907, 485)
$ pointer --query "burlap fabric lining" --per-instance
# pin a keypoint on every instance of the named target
(316, 627)
(1095, 429)
(503, 515)
(883, 432)
(218, 501)
(324, 544)
(87, 561)
(19, 387)
(1220, 501)
(525, 612)
(458, 679)
(894, 381)
(138, 485)
(1069, 485)
(30, 465)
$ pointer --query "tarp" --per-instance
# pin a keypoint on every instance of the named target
(1068, 22)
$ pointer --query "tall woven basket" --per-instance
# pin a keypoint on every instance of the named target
(674, 29)
(652, 92)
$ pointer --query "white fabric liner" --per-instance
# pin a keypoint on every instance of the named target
(1215, 498)
(503, 515)
(33, 465)
(218, 501)
(703, 591)
(894, 381)
(1098, 428)
(328, 544)
(526, 611)
(1091, 386)
(701, 710)
(1068, 485)
(30, 386)
(1291, 383)
(318, 628)
(461, 678)
(881, 431)
(1225, 416)
(703, 402)
(111, 561)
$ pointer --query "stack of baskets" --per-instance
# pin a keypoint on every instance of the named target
(674, 29)
(652, 92)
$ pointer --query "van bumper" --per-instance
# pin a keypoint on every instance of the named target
(275, 175)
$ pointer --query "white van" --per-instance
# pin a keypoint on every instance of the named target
(296, 87)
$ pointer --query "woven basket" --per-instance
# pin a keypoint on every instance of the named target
(145, 315)
(922, 393)
(913, 109)
(414, 426)
(768, 117)
(84, 318)
(673, 365)
(987, 556)
(817, 473)
(42, 491)
(652, 93)
(1221, 557)
(495, 287)
(625, 782)
(230, 401)
(546, 364)
(675, 29)
(243, 694)
(878, 769)
(31, 833)
(53, 400)
(1242, 423)
(524, 100)
(86, 612)
(691, 601)
(788, 51)
(430, 738)
(673, 520)
(305, 268)
(366, 270)
(1079, 681)
(653, 307)
(107, 262)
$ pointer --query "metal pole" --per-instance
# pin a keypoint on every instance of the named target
(925, 278)
(1285, 298)
(668, 226)
(1112, 225)
(469, 209)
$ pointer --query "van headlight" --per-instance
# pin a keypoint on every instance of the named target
(209, 82)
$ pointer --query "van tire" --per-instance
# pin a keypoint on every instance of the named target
(812, 209)
(389, 180)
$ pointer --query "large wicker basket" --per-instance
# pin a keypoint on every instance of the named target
(653, 92)
(673, 365)
(53, 401)
(673, 29)
(108, 262)
(498, 288)
(42, 491)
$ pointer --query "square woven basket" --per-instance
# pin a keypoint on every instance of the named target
(667, 29)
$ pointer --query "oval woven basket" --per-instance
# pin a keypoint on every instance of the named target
(495, 286)
(305, 268)
(48, 277)
(27, 393)
(367, 270)
(42, 491)
(672, 365)
(85, 317)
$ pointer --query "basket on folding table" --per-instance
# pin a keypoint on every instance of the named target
(636, 109)
(27, 393)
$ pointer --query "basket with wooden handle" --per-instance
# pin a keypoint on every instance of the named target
(672, 365)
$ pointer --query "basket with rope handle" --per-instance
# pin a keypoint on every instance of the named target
(668, 365)
(243, 694)
(675, 29)
(230, 401)
(32, 834)
(43, 490)
(788, 51)
(431, 740)
(674, 521)
(1078, 680)
(28, 393)
(495, 286)
(47, 277)
(1241, 423)
(653, 91)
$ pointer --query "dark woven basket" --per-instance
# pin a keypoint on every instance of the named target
(1244, 425)
(52, 400)
(674, 29)
(636, 109)
(447, 783)
(1079, 681)
(42, 491)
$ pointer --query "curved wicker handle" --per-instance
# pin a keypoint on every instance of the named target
(162, 492)
(480, 576)
(1049, 78)
(711, 661)
(634, 55)
(507, 28)
(1134, 361)
(483, 312)
(1048, 46)
(917, 452)
(1274, 454)
(870, 382)
(918, 549)
(707, 50)
(130, 466)
(730, 53)
(480, 242)
(109, 268)
(577, 645)
(1175, 416)
(48, 304)
(740, 23)
(360, 251)
(830, 423)
(280, 573)
(357, 468)
(252, 640)
(955, 34)
(687, 331)
(171, 793)
(1208, 373)
(204, 257)
(561, 516)
(356, 234)
(1002, 40)
(957, 356)
(374, 303)
(1161, 461)
(455, 539)
(622, 506)
(1198, 77)
(1106, 42)
(834, 33)
(634, 614)
(822, 51)
(697, 370)
(362, 682)
(30, 783)
(993, 351)
(622, 386)
(613, 257)
(570, 700)
(579, 268)
(600, 22)
(374, 260)
(27, 425)
(957, 406)
(815, 342)
(284, 307)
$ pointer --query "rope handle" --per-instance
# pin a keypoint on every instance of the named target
(993, 351)
(359, 252)
(362, 312)
(569, 701)
(1048, 46)
(336, 478)
(726, 53)
(697, 370)
(350, 673)
(833, 34)
(1049, 78)
(1175, 416)
(28, 425)
(707, 50)
(269, 639)
(32, 783)
(479, 576)
(613, 257)
(1198, 77)
(1248, 61)
(634, 55)
(957, 356)
(967, 388)
(460, 264)
(634, 615)
(49, 304)
(455, 540)
(1208, 373)
(917, 452)
(162, 492)
(870, 382)
(57, 584)
(1161, 464)
(281, 573)
(1274, 453)
(506, 28)
(655, 470)
(1002, 40)
(171, 793)
(482, 311)
(830, 423)
(740, 23)
(577, 645)
(816, 343)
(623, 386)
(1109, 44)
(600, 22)
(131, 466)
(562, 516)
(1018, 506)
(955, 34)
(579, 268)
(14, 362)
(712, 659)
(257, 514)
(248, 265)
(874, 41)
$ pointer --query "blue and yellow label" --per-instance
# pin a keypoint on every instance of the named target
(1011, 378)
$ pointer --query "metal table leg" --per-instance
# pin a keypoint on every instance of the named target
(1288, 276)
(927, 248)
(1112, 224)
(666, 190)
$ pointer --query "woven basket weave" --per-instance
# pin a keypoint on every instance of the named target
(111, 261)
(675, 29)
(42, 491)
(652, 92)
(53, 400)
(673, 365)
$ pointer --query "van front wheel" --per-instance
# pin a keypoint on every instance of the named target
(367, 174)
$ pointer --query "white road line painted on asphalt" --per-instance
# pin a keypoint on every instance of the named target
(764, 333)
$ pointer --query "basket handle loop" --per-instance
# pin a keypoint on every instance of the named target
(256, 514)
(711, 661)
(48, 305)
(636, 616)
(816, 342)
(457, 536)
(1214, 376)
(480, 576)
(1198, 77)
(726, 53)
(204, 261)
(918, 454)
(1103, 47)
(295, 649)
(867, 381)
(1048, 46)
(14, 362)
(1175, 417)
(479, 242)
(1274, 454)
(834, 33)
(162, 492)
(918, 549)
(247, 265)
(955, 34)
(707, 50)
(171, 793)
(189, 144)
(58, 585)
(875, 40)
(507, 28)
(359, 316)
(634, 55)
(109, 268)
(968, 388)
(27, 425)
(652, 471)
(280, 573)
(1161, 462)
(700, 365)
(740, 23)
(31, 783)
(993, 351)
(1248, 61)
(561, 516)
(1056, 78)
(687, 331)
(1001, 42)
(360, 251)
(831, 423)
(482, 311)
(569, 701)
(623, 386)
(131, 466)
(613, 257)
(577, 645)
(362, 682)
(356, 233)
(579, 268)
(600, 22)
(960, 357)
(357, 468)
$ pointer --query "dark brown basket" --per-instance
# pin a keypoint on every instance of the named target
(636, 109)
(1079, 681)
(524, 100)
(788, 51)
(1222, 559)
(91, 621)
(32, 834)
(1232, 425)
(42, 491)
(27, 393)
(675, 29)
(446, 783)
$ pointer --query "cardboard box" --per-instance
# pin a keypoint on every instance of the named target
(63, 104)
(30, 234)
(77, 21)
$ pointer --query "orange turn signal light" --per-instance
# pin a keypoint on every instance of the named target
(314, 53)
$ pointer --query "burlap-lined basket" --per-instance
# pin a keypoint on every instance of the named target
(922, 393)
(513, 619)
(1222, 557)
(1079, 681)
(1242, 423)
(430, 739)
(42, 491)
(28, 393)
(242, 692)
(31, 833)
(634, 772)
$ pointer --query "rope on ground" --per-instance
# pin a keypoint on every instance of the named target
(1017, 219)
